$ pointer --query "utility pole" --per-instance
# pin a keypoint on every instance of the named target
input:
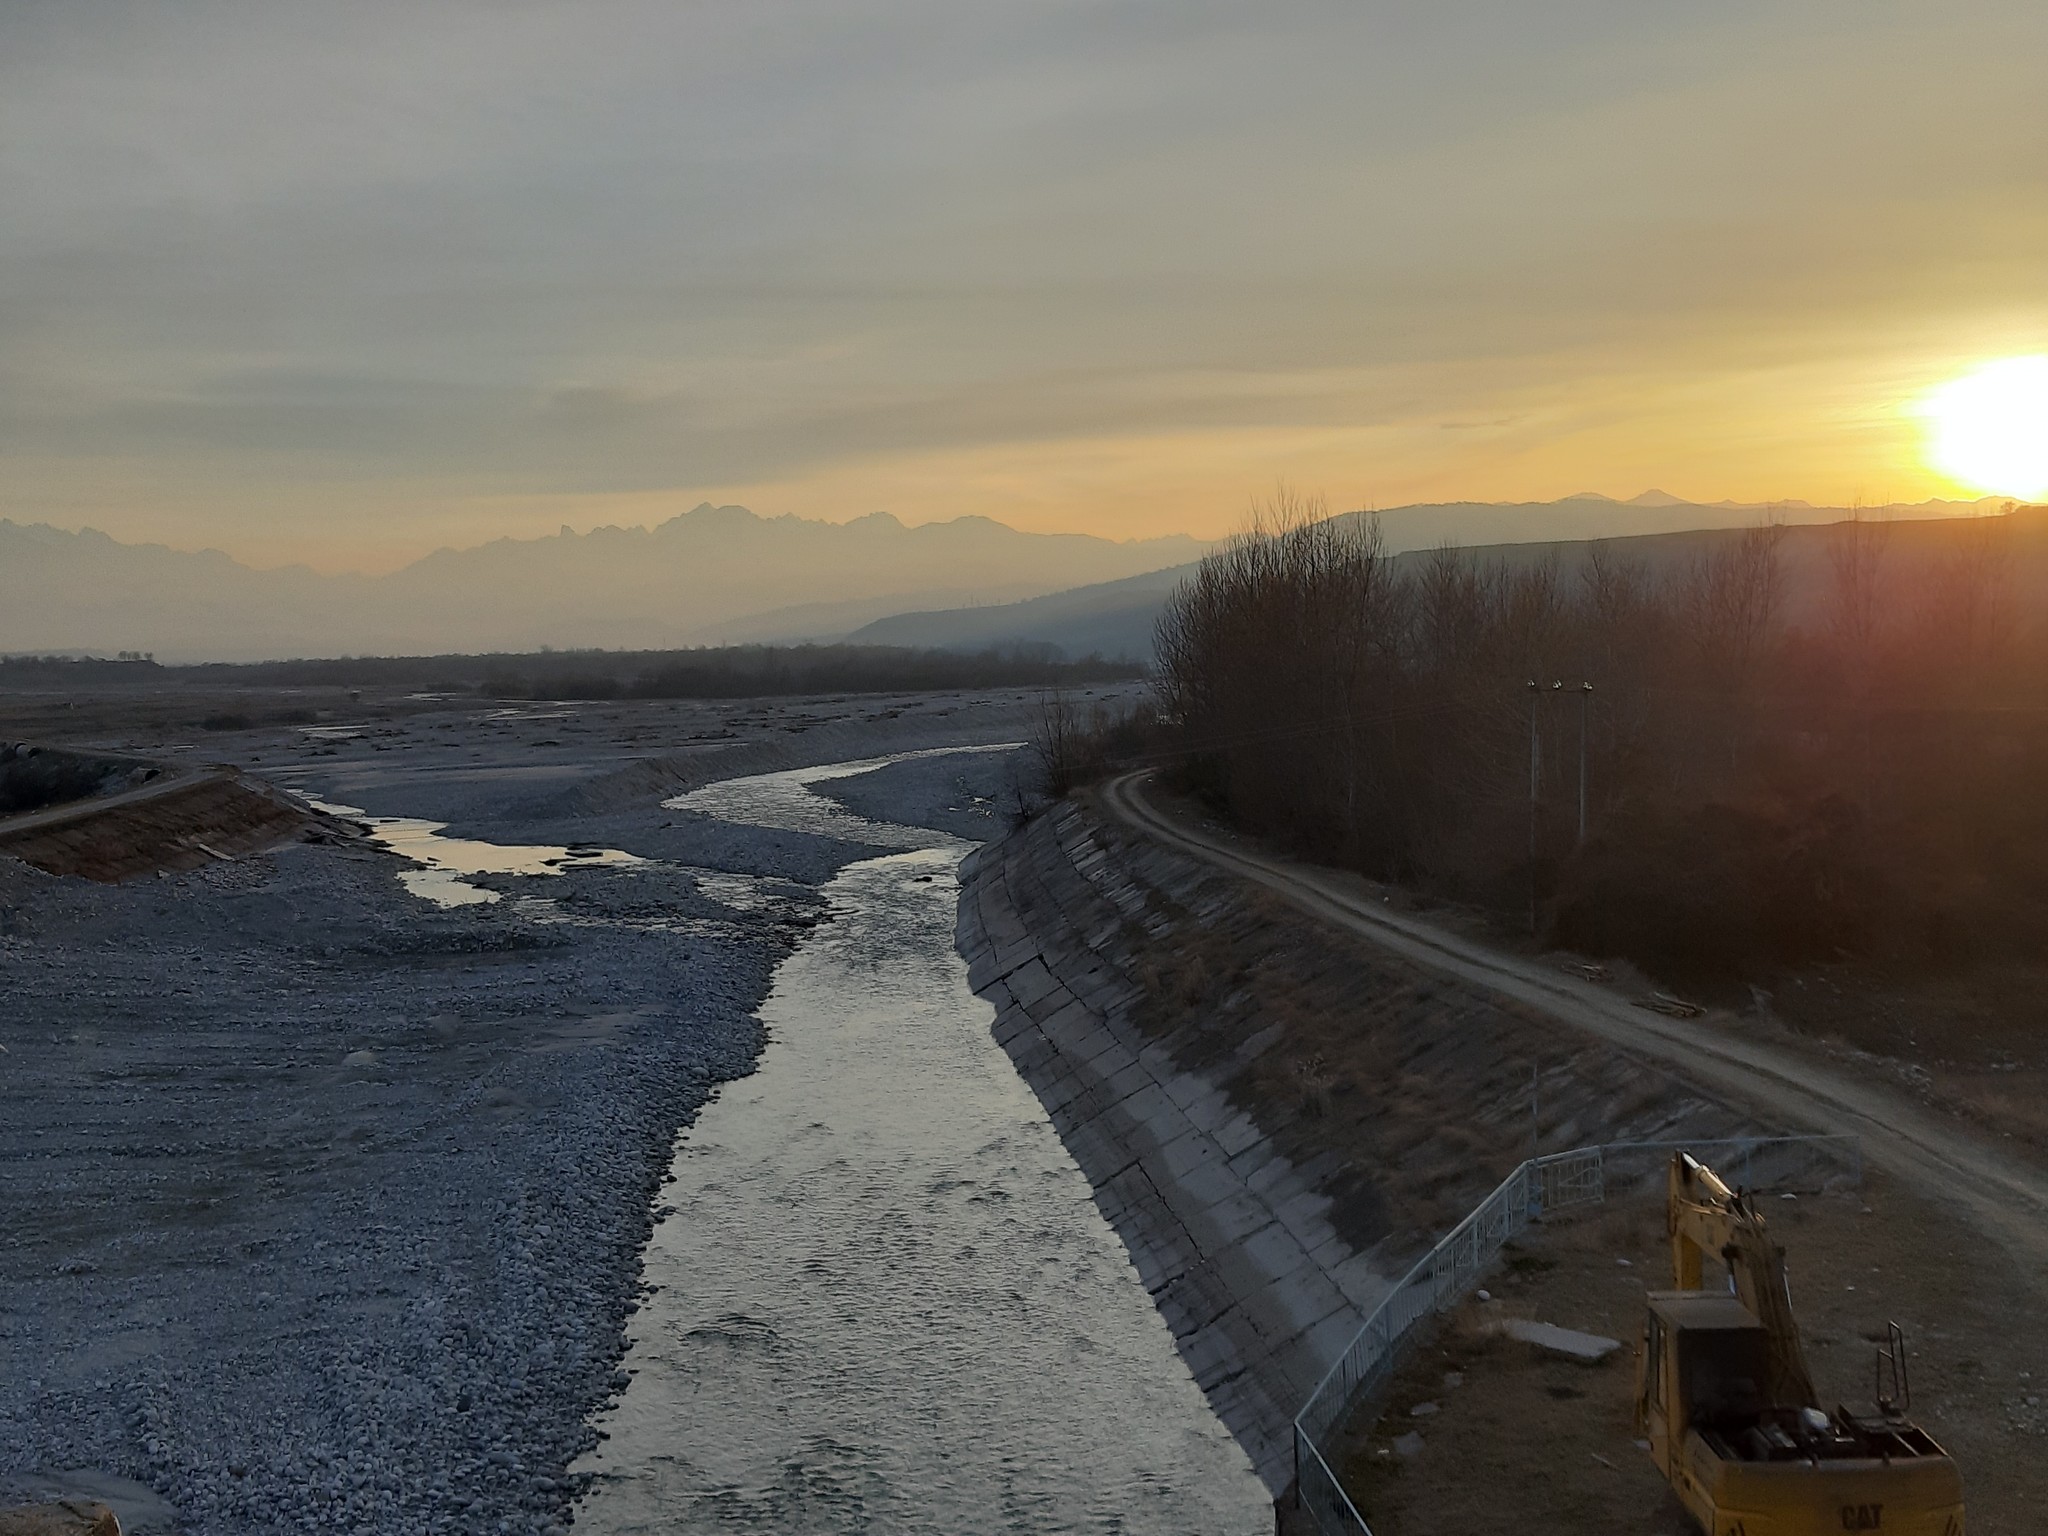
(1556, 690)
(1535, 787)
(1585, 713)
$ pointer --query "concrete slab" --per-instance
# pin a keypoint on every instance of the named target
(1213, 1184)
(1237, 1134)
(1130, 1079)
(1589, 1347)
(1275, 1250)
(1115, 1061)
(1212, 1111)
(1009, 1024)
(1031, 981)
(1235, 1219)
(1188, 1151)
(1157, 1060)
(1275, 1180)
(1306, 1215)
(1034, 1054)
(1185, 1089)
(1074, 1024)
(1306, 1297)
(1363, 1286)
(1059, 1091)
(1201, 1295)
(1254, 1157)
(1099, 1151)
(1210, 1354)
(1326, 1342)
(1149, 1107)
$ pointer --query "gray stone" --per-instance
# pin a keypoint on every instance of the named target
(1589, 1347)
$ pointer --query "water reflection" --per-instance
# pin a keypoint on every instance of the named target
(886, 1301)
(444, 860)
(785, 802)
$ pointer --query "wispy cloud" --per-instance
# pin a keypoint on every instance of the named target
(318, 278)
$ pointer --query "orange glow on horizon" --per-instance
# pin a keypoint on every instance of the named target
(1852, 431)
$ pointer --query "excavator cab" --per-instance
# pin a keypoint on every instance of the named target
(1725, 1402)
(1704, 1359)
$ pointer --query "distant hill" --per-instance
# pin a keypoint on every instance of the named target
(714, 576)
(711, 575)
(1112, 619)
(1115, 619)
(1593, 516)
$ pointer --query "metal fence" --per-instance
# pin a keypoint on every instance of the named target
(1441, 1277)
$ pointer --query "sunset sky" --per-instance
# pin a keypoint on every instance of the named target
(344, 282)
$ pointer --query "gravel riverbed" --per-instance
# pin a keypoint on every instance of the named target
(322, 1205)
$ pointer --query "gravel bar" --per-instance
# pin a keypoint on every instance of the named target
(322, 1207)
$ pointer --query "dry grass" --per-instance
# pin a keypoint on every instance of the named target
(1412, 1092)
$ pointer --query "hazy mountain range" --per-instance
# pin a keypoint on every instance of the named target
(709, 576)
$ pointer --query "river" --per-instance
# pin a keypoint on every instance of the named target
(883, 1299)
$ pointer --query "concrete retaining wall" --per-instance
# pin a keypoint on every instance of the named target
(1231, 1240)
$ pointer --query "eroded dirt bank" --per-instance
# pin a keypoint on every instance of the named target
(1276, 1117)
(178, 823)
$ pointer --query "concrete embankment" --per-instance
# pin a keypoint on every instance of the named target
(1230, 1239)
(1276, 1118)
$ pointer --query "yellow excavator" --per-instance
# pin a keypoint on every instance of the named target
(1733, 1422)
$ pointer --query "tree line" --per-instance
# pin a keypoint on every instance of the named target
(710, 672)
(1863, 772)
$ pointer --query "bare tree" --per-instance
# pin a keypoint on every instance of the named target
(1969, 618)
(1058, 744)
(1376, 713)
(1856, 608)
(1730, 598)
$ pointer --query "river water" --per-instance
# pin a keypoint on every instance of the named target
(885, 1301)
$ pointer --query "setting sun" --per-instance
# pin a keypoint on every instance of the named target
(1990, 427)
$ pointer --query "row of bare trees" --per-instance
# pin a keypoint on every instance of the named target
(1765, 779)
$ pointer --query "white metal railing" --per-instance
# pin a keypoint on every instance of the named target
(1441, 1277)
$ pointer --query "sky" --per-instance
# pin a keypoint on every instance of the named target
(345, 283)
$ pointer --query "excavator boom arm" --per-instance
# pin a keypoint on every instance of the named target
(1705, 1216)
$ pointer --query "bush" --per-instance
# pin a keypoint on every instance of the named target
(1703, 891)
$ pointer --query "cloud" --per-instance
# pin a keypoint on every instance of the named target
(514, 250)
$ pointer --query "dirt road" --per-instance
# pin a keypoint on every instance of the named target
(2002, 1196)
(68, 811)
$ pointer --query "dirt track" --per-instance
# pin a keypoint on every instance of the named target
(2002, 1196)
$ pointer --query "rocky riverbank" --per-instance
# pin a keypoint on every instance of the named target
(321, 1206)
